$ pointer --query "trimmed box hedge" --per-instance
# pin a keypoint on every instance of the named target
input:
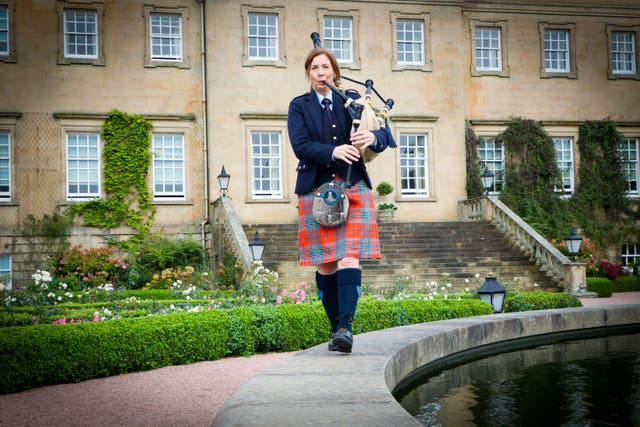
(45, 354)
(600, 285)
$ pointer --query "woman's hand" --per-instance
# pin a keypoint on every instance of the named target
(362, 139)
(346, 152)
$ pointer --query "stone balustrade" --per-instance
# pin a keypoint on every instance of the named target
(571, 275)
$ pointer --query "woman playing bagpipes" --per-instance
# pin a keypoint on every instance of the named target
(331, 174)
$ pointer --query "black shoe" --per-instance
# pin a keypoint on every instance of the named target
(332, 346)
(343, 340)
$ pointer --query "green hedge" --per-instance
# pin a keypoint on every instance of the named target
(600, 285)
(626, 284)
(526, 301)
(42, 354)
(51, 354)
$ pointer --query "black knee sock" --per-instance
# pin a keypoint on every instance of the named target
(328, 294)
(348, 282)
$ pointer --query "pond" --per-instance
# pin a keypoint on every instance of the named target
(581, 382)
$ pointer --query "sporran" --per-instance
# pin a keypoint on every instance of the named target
(330, 204)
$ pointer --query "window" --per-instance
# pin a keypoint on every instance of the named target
(264, 35)
(623, 52)
(630, 254)
(7, 34)
(166, 42)
(628, 150)
(83, 165)
(266, 154)
(339, 30)
(410, 50)
(168, 166)
(5, 272)
(414, 161)
(80, 38)
(80, 34)
(491, 154)
(489, 53)
(558, 50)
(564, 160)
(166, 37)
(5, 165)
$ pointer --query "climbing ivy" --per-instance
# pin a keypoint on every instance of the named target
(531, 173)
(127, 157)
(600, 203)
(474, 184)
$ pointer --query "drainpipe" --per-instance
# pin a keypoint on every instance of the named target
(205, 119)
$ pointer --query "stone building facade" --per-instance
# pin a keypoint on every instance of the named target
(215, 78)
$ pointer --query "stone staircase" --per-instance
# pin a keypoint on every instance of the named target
(442, 252)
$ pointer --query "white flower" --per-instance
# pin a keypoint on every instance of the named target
(59, 297)
(466, 289)
(477, 275)
(63, 285)
(51, 295)
(466, 280)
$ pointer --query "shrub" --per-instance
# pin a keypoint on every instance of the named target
(600, 285)
(626, 284)
(83, 268)
(527, 301)
(156, 253)
(384, 188)
(610, 270)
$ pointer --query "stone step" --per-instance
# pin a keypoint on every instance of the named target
(425, 251)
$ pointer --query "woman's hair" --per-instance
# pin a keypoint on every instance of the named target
(332, 59)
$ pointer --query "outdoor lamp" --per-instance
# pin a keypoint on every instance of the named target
(487, 180)
(493, 293)
(573, 243)
(223, 181)
(257, 247)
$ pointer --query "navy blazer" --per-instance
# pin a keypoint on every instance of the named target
(304, 124)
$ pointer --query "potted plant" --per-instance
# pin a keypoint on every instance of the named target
(386, 209)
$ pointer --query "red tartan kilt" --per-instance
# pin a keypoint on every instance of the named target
(357, 238)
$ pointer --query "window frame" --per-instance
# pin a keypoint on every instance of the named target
(483, 163)
(149, 60)
(502, 26)
(7, 196)
(247, 61)
(355, 63)
(96, 7)
(175, 195)
(254, 193)
(611, 73)
(572, 168)
(9, 272)
(626, 256)
(427, 63)
(631, 193)
(570, 28)
(10, 56)
(90, 196)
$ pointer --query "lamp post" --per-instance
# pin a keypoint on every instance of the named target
(487, 180)
(493, 293)
(257, 247)
(573, 242)
(223, 181)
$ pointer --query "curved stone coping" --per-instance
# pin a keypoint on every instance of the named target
(320, 388)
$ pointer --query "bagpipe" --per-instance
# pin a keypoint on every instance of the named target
(364, 114)
(331, 205)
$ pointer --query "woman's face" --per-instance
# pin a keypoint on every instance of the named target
(320, 71)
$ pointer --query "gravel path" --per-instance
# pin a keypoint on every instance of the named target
(186, 395)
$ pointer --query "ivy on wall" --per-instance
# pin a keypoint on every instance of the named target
(127, 157)
(600, 204)
(474, 184)
(531, 173)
